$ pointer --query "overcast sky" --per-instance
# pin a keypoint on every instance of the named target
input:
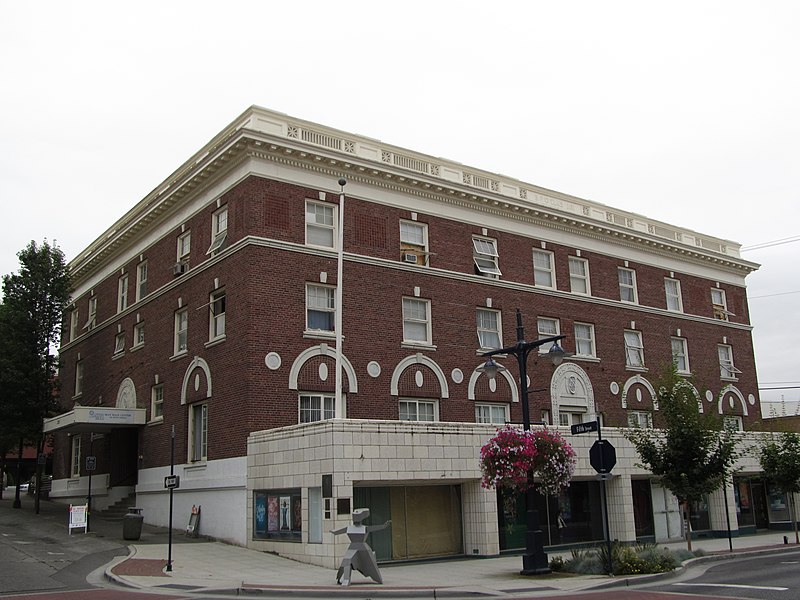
(686, 112)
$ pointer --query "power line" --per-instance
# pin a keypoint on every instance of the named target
(773, 295)
(788, 387)
(770, 244)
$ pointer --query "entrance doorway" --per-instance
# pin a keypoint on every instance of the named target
(124, 457)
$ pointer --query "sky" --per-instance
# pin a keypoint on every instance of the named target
(684, 111)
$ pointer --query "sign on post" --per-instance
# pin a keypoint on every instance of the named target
(584, 427)
(91, 463)
(172, 481)
(602, 456)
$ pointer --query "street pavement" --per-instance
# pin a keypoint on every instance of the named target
(205, 566)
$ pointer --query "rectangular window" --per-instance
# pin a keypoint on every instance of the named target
(579, 276)
(320, 308)
(119, 343)
(138, 335)
(122, 294)
(317, 407)
(181, 331)
(634, 350)
(74, 317)
(584, 340)
(216, 315)
(489, 329)
(485, 256)
(219, 231)
(157, 402)
(491, 413)
(198, 432)
(79, 378)
(416, 321)
(278, 514)
(141, 281)
(732, 423)
(417, 410)
(641, 419)
(680, 354)
(320, 224)
(720, 304)
(726, 368)
(543, 272)
(546, 328)
(672, 289)
(566, 419)
(184, 246)
(627, 285)
(92, 322)
(75, 459)
(414, 242)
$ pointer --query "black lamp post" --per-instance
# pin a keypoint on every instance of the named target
(534, 561)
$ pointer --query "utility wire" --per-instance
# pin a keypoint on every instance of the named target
(779, 242)
(773, 295)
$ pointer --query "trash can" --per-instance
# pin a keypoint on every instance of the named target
(132, 524)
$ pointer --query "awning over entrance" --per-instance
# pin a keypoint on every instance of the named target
(95, 419)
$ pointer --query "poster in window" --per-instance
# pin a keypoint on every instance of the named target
(285, 514)
(744, 495)
(272, 513)
(261, 515)
(297, 513)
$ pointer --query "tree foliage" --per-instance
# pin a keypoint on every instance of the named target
(34, 300)
(780, 461)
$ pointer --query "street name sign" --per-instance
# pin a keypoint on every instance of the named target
(584, 427)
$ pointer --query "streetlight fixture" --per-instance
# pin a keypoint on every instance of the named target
(534, 561)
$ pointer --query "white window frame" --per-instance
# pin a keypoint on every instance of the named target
(485, 256)
(641, 419)
(138, 335)
(413, 320)
(141, 280)
(74, 319)
(490, 334)
(414, 242)
(680, 354)
(627, 287)
(181, 337)
(157, 402)
(540, 270)
(318, 221)
(673, 296)
(429, 403)
(584, 345)
(198, 439)
(219, 230)
(544, 331)
(91, 323)
(634, 349)
(314, 407)
(733, 422)
(216, 315)
(491, 413)
(321, 299)
(184, 246)
(75, 456)
(578, 280)
(119, 343)
(567, 418)
(719, 304)
(727, 369)
(122, 293)
(79, 371)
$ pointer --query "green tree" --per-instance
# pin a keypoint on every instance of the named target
(34, 300)
(692, 453)
(780, 460)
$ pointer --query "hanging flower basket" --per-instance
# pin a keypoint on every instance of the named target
(508, 458)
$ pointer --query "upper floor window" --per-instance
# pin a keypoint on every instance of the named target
(489, 334)
(640, 418)
(680, 354)
(157, 402)
(119, 343)
(184, 246)
(138, 335)
(414, 242)
(416, 321)
(579, 276)
(484, 253)
(418, 410)
(181, 331)
(627, 285)
(216, 315)
(634, 349)
(74, 315)
(726, 368)
(496, 414)
(547, 327)
(543, 272)
(122, 293)
(79, 378)
(720, 304)
(219, 230)
(732, 423)
(141, 280)
(320, 308)
(320, 224)
(92, 322)
(672, 289)
(584, 340)
(317, 407)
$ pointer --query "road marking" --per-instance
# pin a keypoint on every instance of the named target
(56, 553)
(735, 585)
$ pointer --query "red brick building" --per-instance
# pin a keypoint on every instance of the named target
(209, 310)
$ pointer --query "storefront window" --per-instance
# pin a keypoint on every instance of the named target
(778, 508)
(698, 515)
(744, 505)
(277, 514)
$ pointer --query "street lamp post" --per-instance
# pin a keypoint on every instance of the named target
(534, 561)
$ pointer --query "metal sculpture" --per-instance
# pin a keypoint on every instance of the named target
(359, 555)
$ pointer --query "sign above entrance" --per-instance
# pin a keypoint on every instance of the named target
(97, 419)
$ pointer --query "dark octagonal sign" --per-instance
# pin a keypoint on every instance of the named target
(602, 456)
